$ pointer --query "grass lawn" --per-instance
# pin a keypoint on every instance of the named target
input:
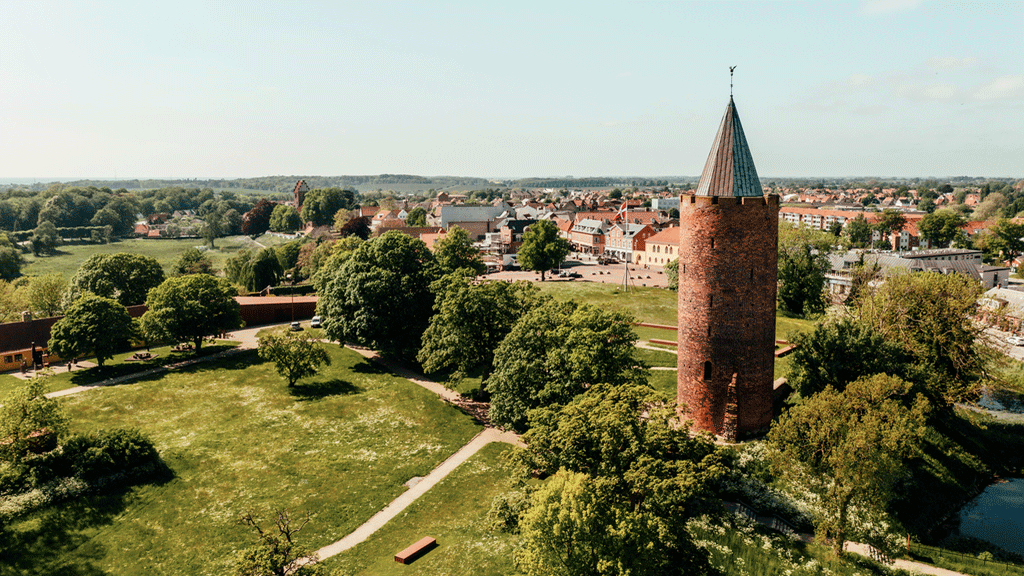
(116, 366)
(166, 252)
(340, 444)
(455, 513)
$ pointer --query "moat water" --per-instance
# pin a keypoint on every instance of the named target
(997, 515)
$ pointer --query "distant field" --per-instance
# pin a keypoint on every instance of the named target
(166, 253)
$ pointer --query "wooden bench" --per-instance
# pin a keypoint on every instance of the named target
(410, 554)
(783, 351)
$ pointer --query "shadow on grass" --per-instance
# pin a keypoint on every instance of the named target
(58, 539)
(120, 369)
(323, 389)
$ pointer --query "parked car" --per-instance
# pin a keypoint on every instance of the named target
(315, 322)
(1016, 340)
(295, 327)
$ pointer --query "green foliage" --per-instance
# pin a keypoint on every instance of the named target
(193, 261)
(931, 316)
(858, 231)
(93, 324)
(891, 221)
(212, 228)
(839, 352)
(10, 260)
(456, 251)
(25, 413)
(803, 262)
(124, 276)
(276, 551)
(941, 227)
(95, 456)
(629, 477)
(254, 271)
(416, 217)
(45, 239)
(851, 447)
(285, 218)
(555, 352)
(358, 227)
(470, 321)
(45, 294)
(191, 308)
(380, 295)
(288, 253)
(542, 247)
(320, 205)
(257, 220)
(1001, 242)
(672, 271)
(296, 355)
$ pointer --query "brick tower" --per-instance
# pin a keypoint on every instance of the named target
(728, 252)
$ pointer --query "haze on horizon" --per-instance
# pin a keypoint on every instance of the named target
(884, 88)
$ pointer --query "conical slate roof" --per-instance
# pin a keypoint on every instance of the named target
(730, 170)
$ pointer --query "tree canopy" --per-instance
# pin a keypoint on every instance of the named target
(257, 220)
(416, 217)
(803, 262)
(851, 447)
(284, 218)
(379, 296)
(858, 231)
(93, 324)
(193, 261)
(542, 247)
(456, 251)
(556, 351)
(320, 205)
(296, 355)
(470, 321)
(191, 308)
(24, 414)
(45, 239)
(941, 227)
(124, 276)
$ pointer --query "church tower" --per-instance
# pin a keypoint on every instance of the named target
(728, 257)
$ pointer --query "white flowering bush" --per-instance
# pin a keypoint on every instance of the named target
(748, 481)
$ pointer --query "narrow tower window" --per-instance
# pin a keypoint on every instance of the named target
(751, 273)
(712, 243)
(707, 370)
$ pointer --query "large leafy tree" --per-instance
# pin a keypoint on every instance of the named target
(379, 296)
(193, 261)
(45, 239)
(45, 293)
(124, 276)
(803, 262)
(470, 321)
(257, 220)
(629, 477)
(417, 217)
(858, 231)
(284, 218)
(358, 226)
(213, 226)
(850, 447)
(320, 205)
(254, 271)
(542, 247)
(456, 251)
(27, 416)
(1004, 241)
(555, 352)
(10, 262)
(890, 221)
(838, 352)
(191, 308)
(93, 324)
(295, 355)
(932, 317)
(941, 227)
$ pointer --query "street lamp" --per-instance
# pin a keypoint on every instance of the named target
(291, 281)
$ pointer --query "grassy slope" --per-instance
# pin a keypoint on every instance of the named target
(340, 444)
(166, 253)
(454, 512)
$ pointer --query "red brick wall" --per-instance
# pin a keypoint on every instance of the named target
(728, 253)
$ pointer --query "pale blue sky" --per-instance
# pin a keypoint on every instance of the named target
(508, 89)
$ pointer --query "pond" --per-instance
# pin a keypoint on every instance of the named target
(997, 515)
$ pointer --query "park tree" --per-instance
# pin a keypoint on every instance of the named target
(45, 293)
(191, 308)
(849, 449)
(295, 355)
(543, 248)
(288, 253)
(212, 229)
(470, 321)
(672, 273)
(12, 301)
(379, 296)
(124, 276)
(991, 208)
(28, 418)
(556, 351)
(840, 351)
(417, 217)
(193, 261)
(277, 551)
(254, 270)
(257, 220)
(341, 217)
(941, 227)
(285, 219)
(803, 262)
(1004, 241)
(932, 317)
(858, 231)
(10, 261)
(456, 251)
(629, 477)
(93, 324)
(889, 222)
(358, 227)
(45, 239)
(320, 205)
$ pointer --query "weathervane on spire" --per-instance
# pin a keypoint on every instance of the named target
(731, 68)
